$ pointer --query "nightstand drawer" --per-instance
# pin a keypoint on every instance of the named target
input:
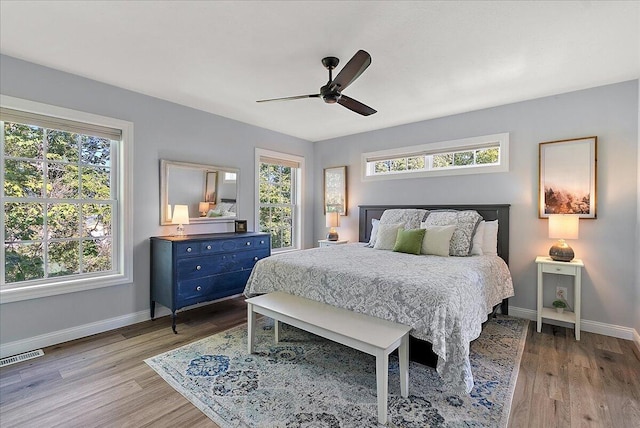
(558, 269)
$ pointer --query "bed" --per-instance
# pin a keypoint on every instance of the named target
(444, 299)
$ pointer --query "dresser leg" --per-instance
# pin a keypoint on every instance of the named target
(153, 310)
(173, 322)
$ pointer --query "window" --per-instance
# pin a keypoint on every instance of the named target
(467, 156)
(279, 184)
(63, 211)
(229, 177)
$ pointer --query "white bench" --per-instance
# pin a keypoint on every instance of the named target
(365, 333)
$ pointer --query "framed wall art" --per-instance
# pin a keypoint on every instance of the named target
(568, 173)
(335, 189)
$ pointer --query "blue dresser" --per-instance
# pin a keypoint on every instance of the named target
(191, 269)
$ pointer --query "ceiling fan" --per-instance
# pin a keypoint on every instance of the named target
(331, 93)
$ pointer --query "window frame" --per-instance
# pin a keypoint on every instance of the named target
(122, 238)
(452, 146)
(297, 213)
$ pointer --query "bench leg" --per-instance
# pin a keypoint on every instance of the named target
(251, 321)
(276, 328)
(382, 378)
(403, 357)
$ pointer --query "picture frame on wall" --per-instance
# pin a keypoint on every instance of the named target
(241, 226)
(335, 190)
(568, 177)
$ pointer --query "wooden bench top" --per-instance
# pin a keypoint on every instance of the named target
(365, 328)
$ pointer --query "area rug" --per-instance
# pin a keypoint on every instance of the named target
(308, 381)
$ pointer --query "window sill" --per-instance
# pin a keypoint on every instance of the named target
(48, 289)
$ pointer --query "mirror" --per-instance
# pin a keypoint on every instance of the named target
(209, 191)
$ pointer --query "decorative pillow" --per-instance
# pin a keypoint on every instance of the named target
(490, 238)
(437, 240)
(374, 232)
(410, 218)
(409, 241)
(387, 235)
(466, 223)
(478, 239)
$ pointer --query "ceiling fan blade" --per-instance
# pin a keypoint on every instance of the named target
(354, 68)
(297, 97)
(356, 106)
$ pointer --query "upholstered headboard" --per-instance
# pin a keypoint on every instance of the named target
(488, 212)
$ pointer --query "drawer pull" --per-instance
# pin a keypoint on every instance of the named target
(248, 243)
(255, 259)
(189, 250)
(198, 267)
(198, 288)
(558, 269)
(262, 242)
(208, 247)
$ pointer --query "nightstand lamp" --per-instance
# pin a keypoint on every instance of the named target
(561, 227)
(203, 207)
(180, 217)
(333, 221)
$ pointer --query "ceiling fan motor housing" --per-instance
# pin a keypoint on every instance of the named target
(329, 94)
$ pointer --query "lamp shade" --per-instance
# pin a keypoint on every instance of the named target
(203, 207)
(333, 219)
(180, 214)
(562, 226)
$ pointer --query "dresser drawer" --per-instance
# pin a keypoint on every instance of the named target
(559, 269)
(195, 267)
(187, 249)
(211, 287)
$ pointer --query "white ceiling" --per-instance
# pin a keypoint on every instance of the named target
(430, 59)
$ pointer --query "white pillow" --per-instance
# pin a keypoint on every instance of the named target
(478, 239)
(490, 238)
(374, 232)
(437, 240)
(387, 234)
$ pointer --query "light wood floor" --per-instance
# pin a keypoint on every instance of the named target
(102, 380)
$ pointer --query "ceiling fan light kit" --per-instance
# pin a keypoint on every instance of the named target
(331, 93)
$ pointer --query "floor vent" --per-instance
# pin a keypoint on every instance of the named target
(21, 357)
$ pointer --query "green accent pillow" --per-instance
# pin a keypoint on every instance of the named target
(409, 241)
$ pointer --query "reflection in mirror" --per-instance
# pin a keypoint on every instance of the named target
(205, 189)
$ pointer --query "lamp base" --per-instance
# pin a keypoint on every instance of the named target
(332, 235)
(561, 252)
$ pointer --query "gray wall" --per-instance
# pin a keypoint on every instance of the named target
(607, 245)
(161, 130)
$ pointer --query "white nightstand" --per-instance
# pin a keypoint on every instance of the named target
(327, 243)
(573, 268)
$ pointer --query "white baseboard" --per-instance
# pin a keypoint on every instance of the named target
(49, 339)
(585, 325)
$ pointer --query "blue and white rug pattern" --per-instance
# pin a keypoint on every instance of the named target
(307, 381)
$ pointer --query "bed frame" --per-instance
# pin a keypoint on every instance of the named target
(420, 350)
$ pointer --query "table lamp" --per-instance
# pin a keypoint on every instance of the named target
(333, 221)
(180, 217)
(203, 207)
(561, 227)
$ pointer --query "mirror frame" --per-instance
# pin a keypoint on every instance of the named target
(164, 190)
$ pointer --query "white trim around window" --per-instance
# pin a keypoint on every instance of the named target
(438, 148)
(299, 214)
(123, 236)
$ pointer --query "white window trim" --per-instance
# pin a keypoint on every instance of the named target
(452, 145)
(299, 217)
(125, 233)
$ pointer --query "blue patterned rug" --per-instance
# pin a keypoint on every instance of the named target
(307, 381)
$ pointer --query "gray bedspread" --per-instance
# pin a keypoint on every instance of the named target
(444, 299)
